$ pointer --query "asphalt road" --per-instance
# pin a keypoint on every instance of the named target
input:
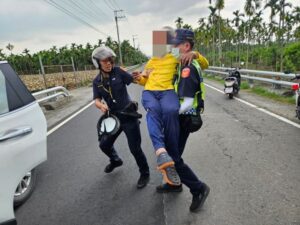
(250, 160)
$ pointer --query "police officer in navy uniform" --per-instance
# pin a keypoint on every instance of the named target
(110, 85)
(188, 87)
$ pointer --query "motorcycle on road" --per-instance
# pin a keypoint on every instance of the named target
(232, 83)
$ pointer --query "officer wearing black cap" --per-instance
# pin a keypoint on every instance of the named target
(110, 85)
(189, 88)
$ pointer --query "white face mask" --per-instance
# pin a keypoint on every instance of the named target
(175, 52)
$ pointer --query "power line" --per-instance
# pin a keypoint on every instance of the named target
(69, 13)
(98, 8)
(89, 10)
(109, 6)
(114, 3)
(71, 5)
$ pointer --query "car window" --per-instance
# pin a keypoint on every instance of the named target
(17, 94)
(3, 95)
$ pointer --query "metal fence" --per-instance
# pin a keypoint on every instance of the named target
(277, 79)
(54, 92)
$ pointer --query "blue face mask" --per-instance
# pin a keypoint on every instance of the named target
(175, 52)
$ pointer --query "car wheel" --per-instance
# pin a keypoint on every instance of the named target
(25, 188)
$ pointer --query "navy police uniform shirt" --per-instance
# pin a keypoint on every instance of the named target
(189, 82)
(113, 89)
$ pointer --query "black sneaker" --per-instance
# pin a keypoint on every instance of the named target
(113, 164)
(199, 199)
(143, 181)
(165, 188)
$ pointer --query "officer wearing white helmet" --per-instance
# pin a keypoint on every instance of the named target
(110, 85)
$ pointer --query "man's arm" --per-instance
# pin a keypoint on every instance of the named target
(187, 58)
(202, 60)
(100, 105)
(141, 78)
(98, 99)
(186, 105)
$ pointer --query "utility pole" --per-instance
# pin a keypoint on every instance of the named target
(134, 37)
(43, 71)
(116, 18)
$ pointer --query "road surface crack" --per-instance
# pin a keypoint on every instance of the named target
(224, 150)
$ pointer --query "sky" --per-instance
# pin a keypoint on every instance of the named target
(37, 25)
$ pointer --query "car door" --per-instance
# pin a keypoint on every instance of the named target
(23, 132)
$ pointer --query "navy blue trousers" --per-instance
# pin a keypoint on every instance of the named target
(163, 125)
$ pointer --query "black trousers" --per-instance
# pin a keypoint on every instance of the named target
(131, 128)
(186, 174)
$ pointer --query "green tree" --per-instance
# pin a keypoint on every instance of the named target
(250, 8)
(10, 47)
(2, 55)
(212, 19)
(282, 29)
(219, 6)
(179, 22)
(237, 21)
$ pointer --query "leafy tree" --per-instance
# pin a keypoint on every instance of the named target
(179, 22)
(10, 47)
(219, 7)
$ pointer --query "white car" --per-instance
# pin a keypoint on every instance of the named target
(23, 142)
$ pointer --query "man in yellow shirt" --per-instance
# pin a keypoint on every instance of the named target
(162, 105)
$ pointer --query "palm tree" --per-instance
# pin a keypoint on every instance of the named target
(100, 42)
(257, 24)
(26, 51)
(272, 4)
(88, 46)
(179, 22)
(211, 19)
(282, 6)
(187, 26)
(250, 8)
(10, 47)
(201, 23)
(236, 22)
(53, 49)
(296, 14)
(219, 7)
(296, 18)
(289, 19)
(2, 55)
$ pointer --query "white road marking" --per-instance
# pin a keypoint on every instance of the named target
(260, 109)
(69, 118)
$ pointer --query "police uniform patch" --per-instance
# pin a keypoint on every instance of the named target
(185, 72)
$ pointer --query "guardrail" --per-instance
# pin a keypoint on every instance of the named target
(53, 91)
(274, 81)
(256, 72)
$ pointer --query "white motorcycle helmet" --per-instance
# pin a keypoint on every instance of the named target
(100, 53)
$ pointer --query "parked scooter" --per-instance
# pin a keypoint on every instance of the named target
(296, 88)
(232, 83)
